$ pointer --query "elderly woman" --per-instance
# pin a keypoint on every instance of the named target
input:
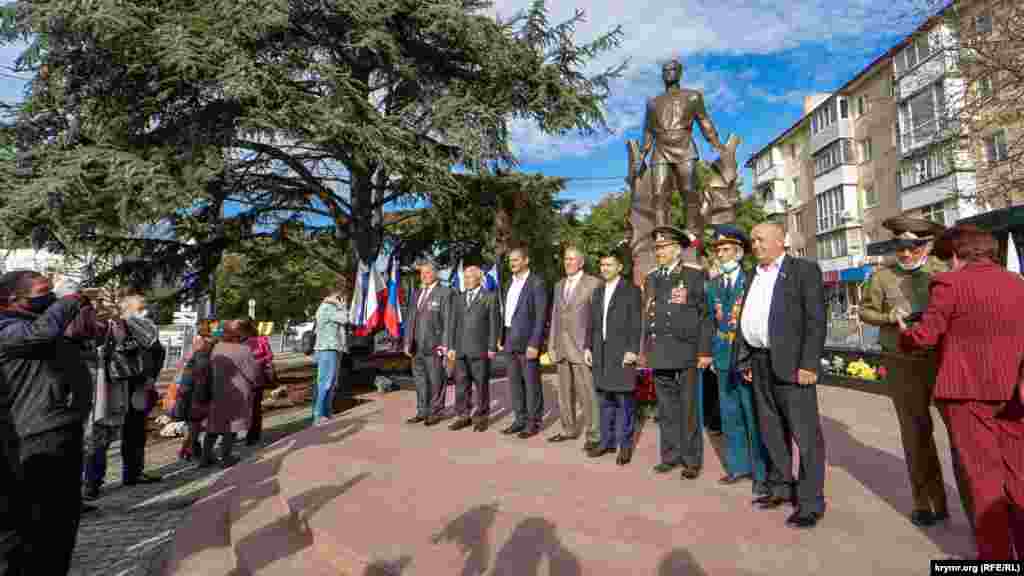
(234, 374)
(193, 398)
(260, 347)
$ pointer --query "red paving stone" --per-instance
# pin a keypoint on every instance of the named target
(371, 495)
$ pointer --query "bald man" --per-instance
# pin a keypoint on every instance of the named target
(778, 352)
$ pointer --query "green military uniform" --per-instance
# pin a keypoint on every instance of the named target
(911, 377)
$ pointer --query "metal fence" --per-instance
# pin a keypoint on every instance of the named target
(177, 341)
(853, 334)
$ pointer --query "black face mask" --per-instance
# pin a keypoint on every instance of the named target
(39, 304)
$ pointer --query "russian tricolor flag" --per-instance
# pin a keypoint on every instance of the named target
(393, 309)
(491, 280)
(368, 300)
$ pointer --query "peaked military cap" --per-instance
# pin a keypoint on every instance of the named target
(726, 234)
(671, 234)
(911, 232)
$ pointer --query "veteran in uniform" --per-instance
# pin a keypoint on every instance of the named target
(745, 454)
(677, 343)
(899, 291)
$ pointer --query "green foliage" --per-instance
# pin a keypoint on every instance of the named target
(312, 114)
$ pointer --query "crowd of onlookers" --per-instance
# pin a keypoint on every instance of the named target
(78, 371)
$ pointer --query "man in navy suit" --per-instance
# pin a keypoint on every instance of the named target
(525, 310)
(778, 350)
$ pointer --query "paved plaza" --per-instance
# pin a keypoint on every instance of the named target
(369, 494)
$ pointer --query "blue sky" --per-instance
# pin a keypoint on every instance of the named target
(755, 60)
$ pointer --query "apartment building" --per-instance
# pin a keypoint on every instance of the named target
(894, 140)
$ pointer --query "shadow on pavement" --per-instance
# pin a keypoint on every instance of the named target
(886, 476)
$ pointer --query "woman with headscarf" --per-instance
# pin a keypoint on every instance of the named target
(260, 348)
(192, 402)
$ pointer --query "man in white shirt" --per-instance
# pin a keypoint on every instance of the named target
(570, 321)
(779, 349)
(525, 312)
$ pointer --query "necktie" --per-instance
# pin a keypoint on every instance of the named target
(469, 298)
(568, 290)
(423, 297)
(663, 271)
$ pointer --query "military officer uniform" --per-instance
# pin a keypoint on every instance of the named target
(911, 376)
(745, 454)
(676, 330)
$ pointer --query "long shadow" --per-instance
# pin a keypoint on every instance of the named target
(260, 481)
(680, 562)
(288, 535)
(886, 476)
(531, 541)
(388, 567)
(471, 532)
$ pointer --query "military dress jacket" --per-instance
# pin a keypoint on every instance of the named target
(724, 305)
(677, 325)
(892, 287)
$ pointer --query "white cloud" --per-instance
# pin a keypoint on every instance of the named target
(655, 30)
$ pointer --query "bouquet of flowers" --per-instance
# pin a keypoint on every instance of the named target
(861, 369)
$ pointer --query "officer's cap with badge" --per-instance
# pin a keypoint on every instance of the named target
(911, 232)
(668, 235)
(728, 234)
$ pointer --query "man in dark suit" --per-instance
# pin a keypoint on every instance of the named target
(525, 311)
(677, 343)
(612, 350)
(975, 318)
(475, 330)
(778, 349)
(425, 343)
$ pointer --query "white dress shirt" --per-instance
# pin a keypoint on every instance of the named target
(512, 298)
(609, 290)
(758, 305)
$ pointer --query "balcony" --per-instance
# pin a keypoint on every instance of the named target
(930, 132)
(774, 207)
(842, 175)
(842, 128)
(772, 172)
(922, 75)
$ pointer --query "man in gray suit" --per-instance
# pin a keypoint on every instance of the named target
(474, 334)
(570, 322)
(425, 343)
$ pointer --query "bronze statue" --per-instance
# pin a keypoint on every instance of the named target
(668, 129)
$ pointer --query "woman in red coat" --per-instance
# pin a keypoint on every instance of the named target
(976, 319)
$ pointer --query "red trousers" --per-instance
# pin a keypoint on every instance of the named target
(991, 447)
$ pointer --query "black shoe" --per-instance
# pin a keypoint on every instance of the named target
(599, 451)
(431, 420)
(732, 478)
(88, 509)
(625, 455)
(529, 432)
(689, 473)
(142, 478)
(460, 424)
(922, 518)
(415, 420)
(515, 428)
(769, 502)
(588, 446)
(759, 488)
(91, 493)
(560, 438)
(480, 425)
(800, 519)
(229, 461)
(940, 516)
(664, 467)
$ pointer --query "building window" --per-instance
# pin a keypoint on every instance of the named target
(944, 213)
(923, 116)
(830, 206)
(863, 105)
(796, 189)
(836, 153)
(870, 196)
(798, 218)
(983, 23)
(832, 245)
(995, 147)
(920, 169)
(823, 117)
(984, 87)
(844, 108)
(916, 52)
(865, 150)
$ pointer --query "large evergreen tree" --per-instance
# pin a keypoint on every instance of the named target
(230, 120)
